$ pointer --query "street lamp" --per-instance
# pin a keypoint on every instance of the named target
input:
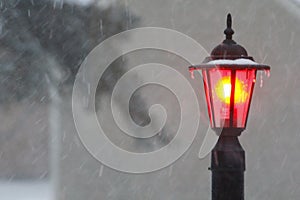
(229, 75)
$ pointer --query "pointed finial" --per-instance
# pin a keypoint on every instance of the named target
(228, 31)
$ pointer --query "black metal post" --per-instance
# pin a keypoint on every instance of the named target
(228, 166)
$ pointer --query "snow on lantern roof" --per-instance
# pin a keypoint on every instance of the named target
(241, 61)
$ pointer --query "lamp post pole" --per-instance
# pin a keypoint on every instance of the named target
(228, 166)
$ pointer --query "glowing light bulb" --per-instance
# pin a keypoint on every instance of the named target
(227, 90)
(223, 90)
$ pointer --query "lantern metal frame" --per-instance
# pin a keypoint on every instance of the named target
(228, 156)
(228, 50)
(233, 68)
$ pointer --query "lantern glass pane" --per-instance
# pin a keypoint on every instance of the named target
(226, 107)
(217, 94)
(243, 94)
(207, 95)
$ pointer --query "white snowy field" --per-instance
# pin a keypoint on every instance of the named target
(25, 190)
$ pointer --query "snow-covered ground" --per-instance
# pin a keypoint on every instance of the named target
(25, 190)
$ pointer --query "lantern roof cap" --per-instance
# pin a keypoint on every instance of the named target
(229, 55)
(229, 49)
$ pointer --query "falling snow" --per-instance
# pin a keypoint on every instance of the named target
(43, 43)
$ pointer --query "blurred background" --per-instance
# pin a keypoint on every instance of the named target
(43, 43)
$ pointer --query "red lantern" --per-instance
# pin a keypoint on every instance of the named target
(229, 76)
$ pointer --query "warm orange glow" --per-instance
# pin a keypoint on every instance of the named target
(223, 90)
